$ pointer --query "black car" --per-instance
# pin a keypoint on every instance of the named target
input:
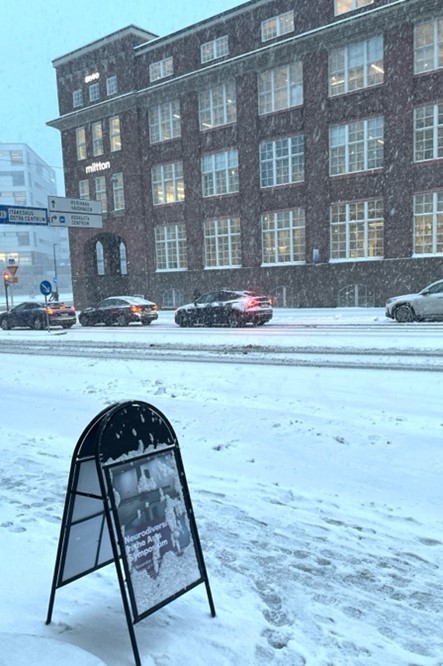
(37, 316)
(120, 310)
(226, 307)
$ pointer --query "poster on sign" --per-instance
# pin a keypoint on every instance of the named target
(154, 528)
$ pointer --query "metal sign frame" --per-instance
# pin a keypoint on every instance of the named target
(128, 502)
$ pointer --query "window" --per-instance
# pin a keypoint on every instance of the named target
(167, 183)
(358, 65)
(16, 156)
(282, 161)
(20, 198)
(217, 106)
(222, 243)
(220, 173)
(170, 247)
(343, 6)
(100, 192)
(283, 237)
(123, 258)
(80, 137)
(277, 26)
(99, 258)
(83, 189)
(280, 88)
(97, 139)
(94, 92)
(111, 85)
(216, 48)
(165, 122)
(356, 147)
(114, 134)
(428, 46)
(428, 223)
(77, 98)
(161, 69)
(357, 230)
(428, 132)
(118, 193)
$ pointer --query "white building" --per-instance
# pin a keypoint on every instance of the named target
(40, 252)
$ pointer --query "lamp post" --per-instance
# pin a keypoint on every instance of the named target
(55, 281)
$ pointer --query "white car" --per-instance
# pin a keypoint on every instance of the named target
(426, 305)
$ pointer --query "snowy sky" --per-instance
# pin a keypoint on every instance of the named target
(34, 33)
(317, 494)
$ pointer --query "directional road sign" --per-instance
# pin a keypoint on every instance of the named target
(65, 212)
(23, 215)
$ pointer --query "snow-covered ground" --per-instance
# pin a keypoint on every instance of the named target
(317, 495)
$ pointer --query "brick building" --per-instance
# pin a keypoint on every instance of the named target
(294, 148)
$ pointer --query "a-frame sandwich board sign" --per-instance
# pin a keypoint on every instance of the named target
(128, 502)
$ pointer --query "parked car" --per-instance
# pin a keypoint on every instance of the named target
(225, 307)
(37, 315)
(426, 305)
(120, 310)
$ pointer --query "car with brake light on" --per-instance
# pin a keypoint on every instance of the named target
(37, 316)
(226, 307)
(120, 311)
(426, 305)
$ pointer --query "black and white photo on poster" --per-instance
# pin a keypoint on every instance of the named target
(155, 529)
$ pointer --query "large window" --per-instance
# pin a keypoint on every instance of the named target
(97, 139)
(77, 98)
(99, 258)
(164, 122)
(161, 69)
(80, 138)
(83, 189)
(343, 6)
(357, 230)
(222, 243)
(111, 85)
(100, 192)
(118, 193)
(123, 258)
(356, 147)
(283, 237)
(428, 223)
(282, 161)
(428, 132)
(220, 173)
(115, 134)
(217, 106)
(94, 92)
(216, 48)
(277, 26)
(356, 66)
(280, 88)
(167, 183)
(428, 45)
(170, 247)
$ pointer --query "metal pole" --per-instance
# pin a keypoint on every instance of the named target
(54, 256)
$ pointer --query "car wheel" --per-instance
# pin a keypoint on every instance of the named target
(37, 324)
(234, 319)
(146, 322)
(121, 320)
(5, 324)
(67, 325)
(182, 320)
(404, 314)
(83, 321)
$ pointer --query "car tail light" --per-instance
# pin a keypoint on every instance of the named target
(50, 311)
(135, 308)
(251, 303)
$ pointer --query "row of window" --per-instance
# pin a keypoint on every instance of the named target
(356, 232)
(98, 148)
(94, 92)
(354, 147)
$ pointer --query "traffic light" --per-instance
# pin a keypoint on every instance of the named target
(7, 278)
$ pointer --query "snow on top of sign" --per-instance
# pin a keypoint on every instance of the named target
(141, 450)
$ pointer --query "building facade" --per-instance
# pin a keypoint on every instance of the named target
(38, 251)
(292, 148)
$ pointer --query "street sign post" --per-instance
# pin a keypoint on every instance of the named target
(23, 215)
(66, 212)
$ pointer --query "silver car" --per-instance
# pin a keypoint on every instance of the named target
(426, 305)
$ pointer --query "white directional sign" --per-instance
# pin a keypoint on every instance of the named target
(75, 220)
(65, 212)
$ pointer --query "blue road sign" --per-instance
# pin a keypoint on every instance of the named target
(23, 215)
(45, 288)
